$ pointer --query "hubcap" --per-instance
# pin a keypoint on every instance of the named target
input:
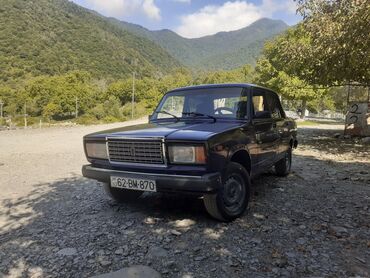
(234, 193)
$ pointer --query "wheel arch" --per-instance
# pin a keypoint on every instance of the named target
(243, 158)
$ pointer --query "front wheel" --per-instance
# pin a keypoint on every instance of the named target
(121, 195)
(232, 198)
(283, 166)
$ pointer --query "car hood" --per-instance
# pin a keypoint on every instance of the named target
(197, 131)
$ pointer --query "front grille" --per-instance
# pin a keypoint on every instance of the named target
(136, 151)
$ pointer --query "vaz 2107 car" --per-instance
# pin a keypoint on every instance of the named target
(206, 140)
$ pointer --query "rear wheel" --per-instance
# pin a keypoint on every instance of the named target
(121, 195)
(283, 166)
(232, 198)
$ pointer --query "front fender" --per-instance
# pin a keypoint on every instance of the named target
(223, 146)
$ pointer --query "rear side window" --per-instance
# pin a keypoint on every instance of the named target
(259, 101)
(275, 106)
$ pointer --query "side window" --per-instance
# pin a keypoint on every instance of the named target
(274, 106)
(260, 103)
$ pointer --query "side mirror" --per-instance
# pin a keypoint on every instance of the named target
(150, 117)
(263, 115)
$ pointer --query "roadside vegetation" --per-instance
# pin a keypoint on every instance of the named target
(309, 65)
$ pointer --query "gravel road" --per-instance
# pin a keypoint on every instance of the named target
(54, 223)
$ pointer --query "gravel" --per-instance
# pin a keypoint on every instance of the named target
(55, 223)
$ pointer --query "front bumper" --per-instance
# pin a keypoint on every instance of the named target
(207, 183)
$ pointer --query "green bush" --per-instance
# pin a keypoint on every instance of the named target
(110, 109)
(87, 120)
(110, 119)
(18, 121)
(140, 110)
(98, 111)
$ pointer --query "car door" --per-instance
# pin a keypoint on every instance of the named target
(265, 127)
(278, 117)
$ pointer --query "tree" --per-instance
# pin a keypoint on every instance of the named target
(330, 47)
(50, 110)
(121, 90)
(239, 75)
(288, 86)
(43, 94)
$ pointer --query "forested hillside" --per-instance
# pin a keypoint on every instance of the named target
(225, 50)
(56, 56)
(49, 37)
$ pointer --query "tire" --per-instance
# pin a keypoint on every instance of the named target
(122, 195)
(232, 198)
(283, 166)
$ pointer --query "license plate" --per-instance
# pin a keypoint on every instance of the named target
(134, 184)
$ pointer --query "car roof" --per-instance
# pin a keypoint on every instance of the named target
(213, 86)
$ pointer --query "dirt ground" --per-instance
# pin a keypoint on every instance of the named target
(55, 223)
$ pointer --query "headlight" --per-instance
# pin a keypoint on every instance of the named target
(187, 154)
(96, 150)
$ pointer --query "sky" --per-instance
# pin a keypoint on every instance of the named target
(194, 18)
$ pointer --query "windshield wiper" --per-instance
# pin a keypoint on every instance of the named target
(199, 114)
(167, 113)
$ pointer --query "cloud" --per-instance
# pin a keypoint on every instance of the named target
(232, 15)
(120, 8)
(151, 9)
(182, 1)
(272, 6)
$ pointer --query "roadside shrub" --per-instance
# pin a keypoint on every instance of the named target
(140, 110)
(110, 109)
(110, 119)
(18, 121)
(86, 120)
(98, 111)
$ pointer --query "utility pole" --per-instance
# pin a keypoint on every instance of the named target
(133, 94)
(76, 114)
(133, 89)
(25, 115)
(1, 109)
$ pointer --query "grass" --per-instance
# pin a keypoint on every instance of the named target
(319, 122)
(308, 123)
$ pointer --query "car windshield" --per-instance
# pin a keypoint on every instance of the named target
(209, 103)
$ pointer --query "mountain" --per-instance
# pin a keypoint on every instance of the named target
(48, 37)
(55, 36)
(224, 50)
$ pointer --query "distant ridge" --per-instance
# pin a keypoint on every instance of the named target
(224, 50)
